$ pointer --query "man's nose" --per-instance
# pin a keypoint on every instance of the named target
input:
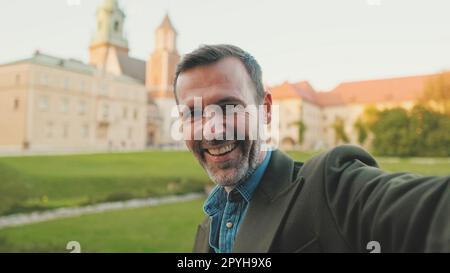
(214, 128)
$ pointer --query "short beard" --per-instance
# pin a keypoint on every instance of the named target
(244, 169)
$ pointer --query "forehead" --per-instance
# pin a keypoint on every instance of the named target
(226, 78)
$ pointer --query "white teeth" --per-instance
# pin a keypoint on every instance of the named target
(222, 150)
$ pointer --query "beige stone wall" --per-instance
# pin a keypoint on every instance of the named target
(13, 106)
(319, 132)
(57, 113)
(66, 111)
(289, 114)
(49, 109)
(161, 68)
(312, 116)
(167, 117)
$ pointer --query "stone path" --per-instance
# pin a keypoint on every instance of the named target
(35, 217)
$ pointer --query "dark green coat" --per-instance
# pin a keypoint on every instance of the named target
(339, 201)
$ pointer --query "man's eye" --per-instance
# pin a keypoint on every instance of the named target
(230, 106)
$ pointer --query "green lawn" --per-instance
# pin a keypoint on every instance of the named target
(28, 183)
(41, 182)
(423, 166)
(165, 228)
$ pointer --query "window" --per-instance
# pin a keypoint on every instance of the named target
(82, 86)
(136, 114)
(116, 26)
(103, 88)
(105, 111)
(49, 129)
(130, 132)
(102, 132)
(44, 80)
(17, 79)
(16, 104)
(81, 108)
(125, 112)
(43, 103)
(66, 84)
(85, 131)
(65, 131)
(64, 105)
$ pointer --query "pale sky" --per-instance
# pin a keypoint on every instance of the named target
(322, 41)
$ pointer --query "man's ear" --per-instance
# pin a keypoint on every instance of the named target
(267, 103)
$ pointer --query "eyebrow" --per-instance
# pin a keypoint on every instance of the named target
(224, 101)
(230, 100)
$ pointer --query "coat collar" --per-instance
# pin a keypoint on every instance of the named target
(270, 203)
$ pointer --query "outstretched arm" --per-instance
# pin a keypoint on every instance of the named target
(404, 212)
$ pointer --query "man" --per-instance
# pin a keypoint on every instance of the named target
(339, 201)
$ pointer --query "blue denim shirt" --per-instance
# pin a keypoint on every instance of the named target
(227, 210)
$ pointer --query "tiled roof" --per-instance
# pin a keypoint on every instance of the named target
(130, 66)
(392, 90)
(360, 92)
(67, 64)
(284, 91)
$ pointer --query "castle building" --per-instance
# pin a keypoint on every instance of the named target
(113, 102)
(318, 111)
(118, 102)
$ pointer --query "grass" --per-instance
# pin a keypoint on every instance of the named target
(45, 182)
(165, 228)
(51, 181)
(429, 166)
(42, 182)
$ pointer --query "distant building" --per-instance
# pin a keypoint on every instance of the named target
(109, 53)
(116, 102)
(319, 110)
(52, 104)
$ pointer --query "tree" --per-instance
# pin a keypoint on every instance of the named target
(436, 95)
(370, 115)
(418, 132)
(339, 131)
(430, 131)
(361, 129)
(301, 130)
(422, 131)
(391, 133)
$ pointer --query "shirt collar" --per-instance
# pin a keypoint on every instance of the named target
(218, 196)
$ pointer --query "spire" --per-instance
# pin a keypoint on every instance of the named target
(166, 35)
(110, 22)
(111, 5)
(162, 62)
(167, 24)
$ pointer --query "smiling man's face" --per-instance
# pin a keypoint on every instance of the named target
(226, 82)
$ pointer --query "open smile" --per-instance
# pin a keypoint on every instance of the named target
(223, 150)
(221, 153)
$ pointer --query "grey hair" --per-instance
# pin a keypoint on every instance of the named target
(209, 54)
